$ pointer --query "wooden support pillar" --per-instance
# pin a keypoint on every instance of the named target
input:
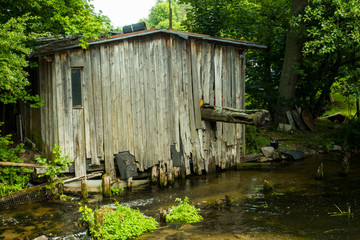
(83, 189)
(106, 185)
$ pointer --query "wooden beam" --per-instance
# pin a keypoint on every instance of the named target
(14, 164)
(257, 117)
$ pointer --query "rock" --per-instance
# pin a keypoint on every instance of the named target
(295, 154)
(284, 127)
(336, 148)
(267, 151)
(43, 237)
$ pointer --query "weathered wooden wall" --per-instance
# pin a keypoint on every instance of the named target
(143, 95)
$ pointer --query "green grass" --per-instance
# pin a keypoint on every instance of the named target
(341, 104)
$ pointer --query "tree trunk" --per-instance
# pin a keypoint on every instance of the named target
(292, 59)
(259, 118)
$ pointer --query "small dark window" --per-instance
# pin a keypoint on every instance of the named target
(76, 86)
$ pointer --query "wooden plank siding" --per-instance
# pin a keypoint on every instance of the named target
(143, 95)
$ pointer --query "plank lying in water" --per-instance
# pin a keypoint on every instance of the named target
(95, 185)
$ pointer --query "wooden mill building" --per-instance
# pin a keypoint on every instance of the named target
(141, 93)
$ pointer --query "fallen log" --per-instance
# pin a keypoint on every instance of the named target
(257, 117)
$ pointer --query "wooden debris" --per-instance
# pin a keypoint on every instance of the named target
(337, 118)
(290, 119)
(308, 118)
(89, 176)
(299, 122)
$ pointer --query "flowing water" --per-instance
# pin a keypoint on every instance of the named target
(298, 208)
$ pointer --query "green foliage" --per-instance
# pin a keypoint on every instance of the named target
(116, 191)
(23, 21)
(13, 52)
(55, 166)
(349, 134)
(12, 179)
(184, 212)
(255, 139)
(122, 223)
(159, 15)
(262, 21)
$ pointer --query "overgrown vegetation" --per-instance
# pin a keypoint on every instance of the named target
(54, 166)
(122, 223)
(184, 212)
(255, 139)
(12, 179)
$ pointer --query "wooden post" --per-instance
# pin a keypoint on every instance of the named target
(60, 188)
(83, 189)
(106, 185)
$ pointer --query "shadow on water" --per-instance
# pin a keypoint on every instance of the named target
(298, 208)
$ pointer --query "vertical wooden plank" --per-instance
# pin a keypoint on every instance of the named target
(79, 138)
(151, 106)
(106, 110)
(242, 105)
(96, 91)
(175, 81)
(89, 109)
(48, 126)
(159, 98)
(87, 102)
(113, 52)
(55, 139)
(42, 98)
(135, 96)
(166, 102)
(185, 112)
(59, 101)
(69, 136)
(123, 127)
(238, 79)
(128, 95)
(218, 100)
(195, 51)
(142, 119)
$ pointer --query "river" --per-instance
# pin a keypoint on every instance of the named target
(300, 207)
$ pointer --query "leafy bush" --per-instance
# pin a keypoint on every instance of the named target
(12, 179)
(122, 223)
(184, 212)
(55, 166)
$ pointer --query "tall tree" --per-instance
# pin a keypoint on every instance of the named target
(292, 61)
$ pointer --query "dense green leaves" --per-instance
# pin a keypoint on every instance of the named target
(12, 179)
(13, 51)
(21, 22)
(159, 15)
(184, 212)
(122, 223)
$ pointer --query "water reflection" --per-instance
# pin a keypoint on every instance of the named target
(298, 209)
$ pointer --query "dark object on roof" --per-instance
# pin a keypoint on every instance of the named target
(134, 27)
(295, 154)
